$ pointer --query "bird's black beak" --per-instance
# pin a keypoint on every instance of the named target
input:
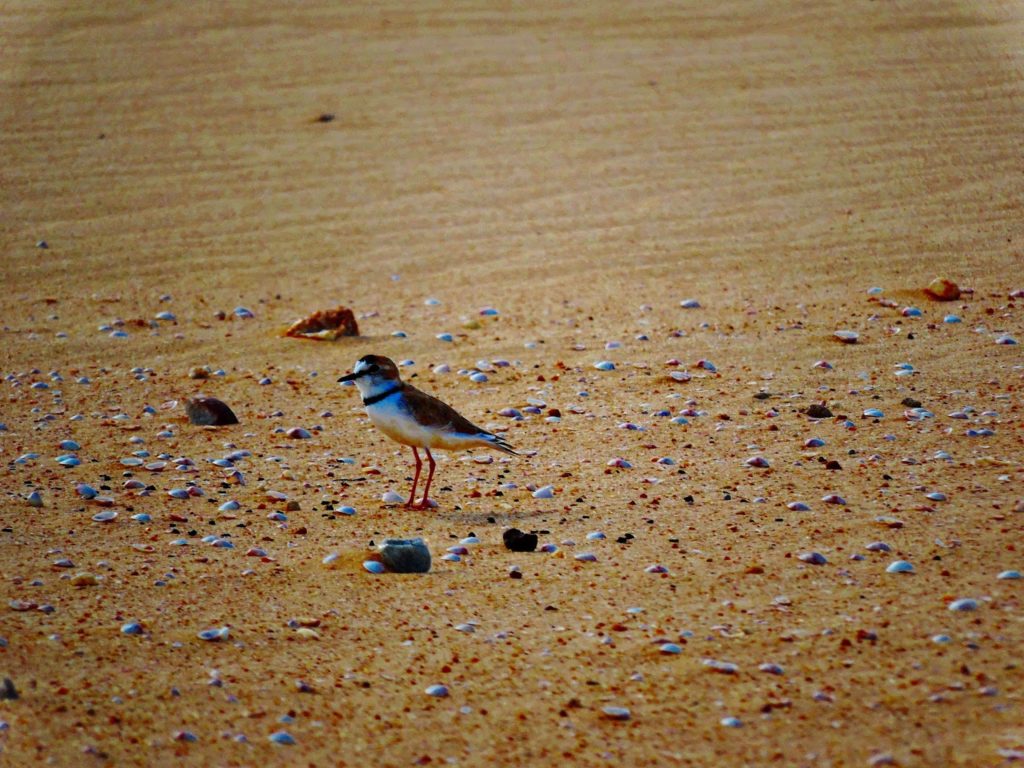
(351, 377)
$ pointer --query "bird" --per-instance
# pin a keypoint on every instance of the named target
(412, 417)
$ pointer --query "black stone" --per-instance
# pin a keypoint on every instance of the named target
(517, 541)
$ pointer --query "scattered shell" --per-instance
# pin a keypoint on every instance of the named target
(106, 516)
(374, 566)
(440, 691)
(670, 648)
(731, 722)
(596, 536)
(900, 566)
(847, 337)
(824, 364)
(723, 667)
(873, 413)
(813, 558)
(282, 737)
(545, 492)
(298, 433)
(392, 498)
(1009, 575)
(214, 634)
(656, 568)
(878, 546)
(833, 498)
(179, 493)
(86, 491)
(616, 713)
(911, 312)
(209, 411)
(586, 557)
(34, 499)
(963, 604)
(131, 628)
(757, 461)
(605, 365)
(797, 506)
(771, 669)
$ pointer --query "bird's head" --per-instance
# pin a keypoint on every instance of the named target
(372, 373)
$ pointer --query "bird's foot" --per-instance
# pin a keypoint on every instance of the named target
(426, 504)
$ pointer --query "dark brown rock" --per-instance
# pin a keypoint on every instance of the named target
(209, 411)
(517, 541)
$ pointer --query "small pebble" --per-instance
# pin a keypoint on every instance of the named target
(405, 555)
(813, 558)
(214, 635)
(517, 541)
(900, 566)
(209, 411)
(616, 713)
(963, 604)
(34, 499)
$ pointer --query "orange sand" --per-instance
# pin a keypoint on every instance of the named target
(582, 168)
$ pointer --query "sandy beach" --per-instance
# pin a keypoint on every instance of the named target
(644, 224)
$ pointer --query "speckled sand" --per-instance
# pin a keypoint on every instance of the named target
(582, 169)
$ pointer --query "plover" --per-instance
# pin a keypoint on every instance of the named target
(412, 417)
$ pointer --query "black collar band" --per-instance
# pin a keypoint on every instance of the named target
(381, 395)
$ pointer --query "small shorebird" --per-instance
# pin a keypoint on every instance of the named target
(414, 418)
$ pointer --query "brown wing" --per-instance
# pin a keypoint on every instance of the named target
(431, 412)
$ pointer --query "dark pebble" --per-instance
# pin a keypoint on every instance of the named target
(7, 691)
(819, 411)
(405, 555)
(517, 541)
(209, 411)
(911, 402)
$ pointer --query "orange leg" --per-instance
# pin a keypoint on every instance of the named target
(416, 477)
(430, 476)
